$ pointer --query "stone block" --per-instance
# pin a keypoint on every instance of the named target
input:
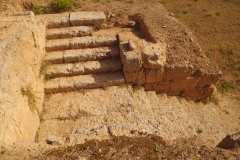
(177, 73)
(87, 18)
(153, 76)
(132, 60)
(137, 78)
(208, 80)
(154, 56)
(163, 87)
(186, 84)
(198, 92)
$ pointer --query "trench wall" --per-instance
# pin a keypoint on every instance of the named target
(22, 44)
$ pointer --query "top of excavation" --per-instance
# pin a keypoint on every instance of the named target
(81, 17)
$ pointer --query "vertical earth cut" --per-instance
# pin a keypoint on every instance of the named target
(22, 44)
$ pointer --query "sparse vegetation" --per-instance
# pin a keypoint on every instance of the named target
(105, 88)
(41, 119)
(131, 1)
(208, 54)
(226, 49)
(146, 6)
(63, 5)
(73, 60)
(157, 149)
(224, 86)
(214, 13)
(28, 91)
(61, 118)
(185, 10)
(214, 99)
(47, 77)
(43, 71)
(40, 10)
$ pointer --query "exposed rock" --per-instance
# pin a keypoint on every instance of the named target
(53, 140)
(230, 141)
(131, 23)
(21, 36)
(154, 56)
(131, 44)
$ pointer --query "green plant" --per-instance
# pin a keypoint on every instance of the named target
(37, 9)
(225, 49)
(63, 5)
(105, 88)
(61, 118)
(224, 86)
(47, 77)
(73, 60)
(208, 54)
(5, 8)
(41, 119)
(146, 6)
(185, 11)
(31, 97)
(131, 1)
(214, 13)
(40, 10)
(157, 149)
(214, 99)
(43, 68)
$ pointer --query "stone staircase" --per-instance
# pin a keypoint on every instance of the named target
(100, 105)
(79, 57)
(74, 117)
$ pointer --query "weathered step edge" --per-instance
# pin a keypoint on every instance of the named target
(65, 84)
(69, 32)
(81, 68)
(82, 55)
(74, 19)
(79, 42)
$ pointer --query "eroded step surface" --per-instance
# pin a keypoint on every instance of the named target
(86, 18)
(68, 32)
(74, 19)
(89, 67)
(79, 42)
(64, 84)
(81, 55)
(122, 110)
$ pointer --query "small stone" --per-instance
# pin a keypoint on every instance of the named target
(164, 26)
(131, 23)
(191, 40)
(172, 14)
(131, 45)
(103, 26)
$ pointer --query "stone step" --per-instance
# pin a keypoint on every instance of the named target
(80, 68)
(65, 84)
(74, 19)
(79, 42)
(81, 55)
(87, 18)
(68, 32)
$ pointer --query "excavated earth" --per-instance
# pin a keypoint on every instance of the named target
(95, 106)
